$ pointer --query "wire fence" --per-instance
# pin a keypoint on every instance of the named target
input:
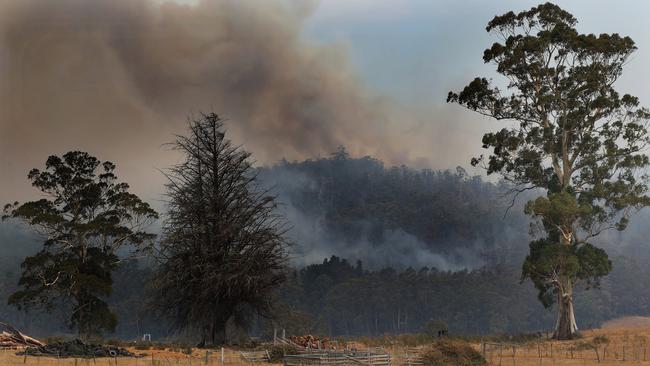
(576, 353)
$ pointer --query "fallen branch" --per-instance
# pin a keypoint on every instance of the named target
(10, 337)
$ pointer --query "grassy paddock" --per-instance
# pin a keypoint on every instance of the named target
(605, 347)
(615, 346)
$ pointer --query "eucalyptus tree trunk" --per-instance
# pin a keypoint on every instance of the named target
(565, 326)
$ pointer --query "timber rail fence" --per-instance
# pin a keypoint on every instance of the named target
(338, 358)
(316, 355)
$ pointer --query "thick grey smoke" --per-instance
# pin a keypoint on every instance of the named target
(397, 248)
(315, 240)
(119, 77)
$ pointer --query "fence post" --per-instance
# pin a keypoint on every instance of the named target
(369, 359)
(222, 356)
(500, 353)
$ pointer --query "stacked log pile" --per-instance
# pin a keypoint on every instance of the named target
(310, 341)
(10, 337)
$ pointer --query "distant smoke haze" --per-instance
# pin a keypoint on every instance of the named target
(118, 78)
(376, 244)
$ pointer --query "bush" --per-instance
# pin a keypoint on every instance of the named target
(601, 339)
(434, 327)
(277, 352)
(453, 353)
(405, 339)
(118, 343)
(56, 339)
(142, 346)
(521, 338)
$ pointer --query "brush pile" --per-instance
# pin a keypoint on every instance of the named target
(10, 337)
(77, 348)
(447, 352)
(310, 341)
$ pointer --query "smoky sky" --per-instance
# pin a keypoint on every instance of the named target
(119, 78)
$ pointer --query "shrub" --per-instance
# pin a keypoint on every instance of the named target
(277, 352)
(453, 353)
(117, 343)
(56, 339)
(142, 345)
(601, 339)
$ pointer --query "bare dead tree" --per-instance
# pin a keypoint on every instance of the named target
(223, 249)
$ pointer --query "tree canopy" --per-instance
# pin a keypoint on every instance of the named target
(86, 217)
(223, 250)
(573, 135)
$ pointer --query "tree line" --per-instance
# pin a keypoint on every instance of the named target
(342, 297)
(574, 148)
(221, 251)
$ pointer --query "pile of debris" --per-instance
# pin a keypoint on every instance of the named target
(10, 337)
(77, 348)
(310, 341)
(447, 352)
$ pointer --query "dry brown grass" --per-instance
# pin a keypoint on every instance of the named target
(624, 346)
(621, 346)
(628, 322)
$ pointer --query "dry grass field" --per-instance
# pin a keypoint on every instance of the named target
(624, 341)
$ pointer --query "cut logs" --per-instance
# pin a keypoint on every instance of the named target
(10, 337)
(310, 341)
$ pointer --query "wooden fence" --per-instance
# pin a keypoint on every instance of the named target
(413, 357)
(338, 358)
(255, 356)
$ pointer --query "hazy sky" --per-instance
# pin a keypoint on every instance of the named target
(419, 49)
(296, 78)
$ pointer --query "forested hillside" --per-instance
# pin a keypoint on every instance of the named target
(397, 216)
(341, 298)
(451, 255)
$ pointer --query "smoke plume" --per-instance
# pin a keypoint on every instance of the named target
(118, 78)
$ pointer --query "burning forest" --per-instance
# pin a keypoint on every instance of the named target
(323, 182)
